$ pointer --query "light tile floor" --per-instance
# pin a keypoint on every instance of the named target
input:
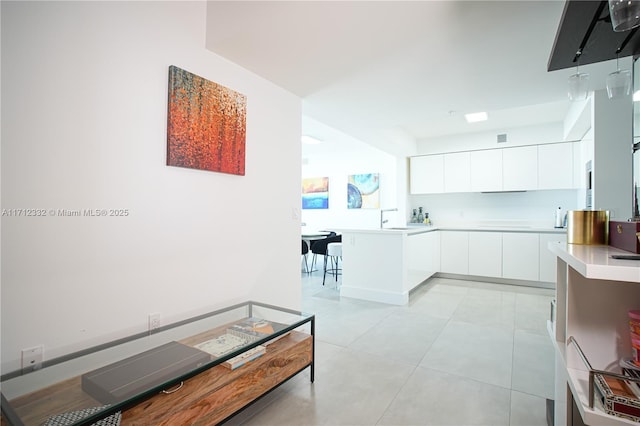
(461, 353)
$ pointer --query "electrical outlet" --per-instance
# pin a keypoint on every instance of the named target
(31, 358)
(154, 321)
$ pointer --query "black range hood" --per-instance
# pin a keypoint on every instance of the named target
(585, 36)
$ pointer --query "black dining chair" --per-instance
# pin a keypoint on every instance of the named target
(305, 251)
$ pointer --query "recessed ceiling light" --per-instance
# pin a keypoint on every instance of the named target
(476, 116)
(310, 140)
(636, 96)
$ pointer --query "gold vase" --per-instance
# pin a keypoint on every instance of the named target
(588, 227)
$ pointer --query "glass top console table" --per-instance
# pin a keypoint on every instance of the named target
(222, 360)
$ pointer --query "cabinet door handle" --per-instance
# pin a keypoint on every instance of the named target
(176, 389)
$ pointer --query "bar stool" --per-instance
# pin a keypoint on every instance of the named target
(334, 251)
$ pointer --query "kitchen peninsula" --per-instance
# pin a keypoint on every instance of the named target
(384, 265)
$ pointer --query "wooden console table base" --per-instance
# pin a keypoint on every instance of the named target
(216, 394)
(205, 399)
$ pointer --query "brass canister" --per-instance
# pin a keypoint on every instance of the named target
(588, 227)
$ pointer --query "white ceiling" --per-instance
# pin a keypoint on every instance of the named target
(380, 70)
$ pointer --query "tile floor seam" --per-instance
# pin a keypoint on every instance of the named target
(462, 376)
(396, 394)
(448, 320)
(511, 409)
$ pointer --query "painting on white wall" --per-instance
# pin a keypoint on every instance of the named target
(363, 191)
(315, 193)
(206, 124)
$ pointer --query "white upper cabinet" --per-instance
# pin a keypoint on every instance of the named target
(523, 168)
(457, 172)
(555, 166)
(520, 168)
(486, 170)
(426, 174)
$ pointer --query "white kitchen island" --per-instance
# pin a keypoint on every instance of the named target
(384, 265)
(593, 295)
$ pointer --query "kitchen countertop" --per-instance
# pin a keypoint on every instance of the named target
(595, 262)
(419, 229)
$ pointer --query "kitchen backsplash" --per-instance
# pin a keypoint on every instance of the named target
(536, 208)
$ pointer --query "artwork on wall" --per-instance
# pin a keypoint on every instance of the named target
(363, 191)
(206, 124)
(315, 193)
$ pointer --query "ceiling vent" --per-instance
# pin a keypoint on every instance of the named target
(502, 138)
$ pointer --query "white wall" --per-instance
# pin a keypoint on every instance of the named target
(84, 126)
(340, 157)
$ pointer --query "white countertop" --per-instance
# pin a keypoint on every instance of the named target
(595, 262)
(419, 229)
(504, 228)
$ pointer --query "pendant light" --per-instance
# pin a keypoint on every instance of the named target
(618, 82)
(625, 14)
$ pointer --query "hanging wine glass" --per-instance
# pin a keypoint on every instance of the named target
(625, 14)
(578, 86)
(618, 82)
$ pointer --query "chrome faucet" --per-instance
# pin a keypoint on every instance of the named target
(382, 220)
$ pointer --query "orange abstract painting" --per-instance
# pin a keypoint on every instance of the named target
(206, 125)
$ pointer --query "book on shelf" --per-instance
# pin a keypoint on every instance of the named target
(222, 345)
(254, 329)
(245, 357)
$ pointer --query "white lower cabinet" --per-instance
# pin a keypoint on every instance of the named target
(423, 253)
(510, 255)
(547, 259)
(454, 252)
(521, 256)
(485, 254)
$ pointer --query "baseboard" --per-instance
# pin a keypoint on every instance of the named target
(524, 283)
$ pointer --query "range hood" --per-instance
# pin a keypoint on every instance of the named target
(585, 33)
